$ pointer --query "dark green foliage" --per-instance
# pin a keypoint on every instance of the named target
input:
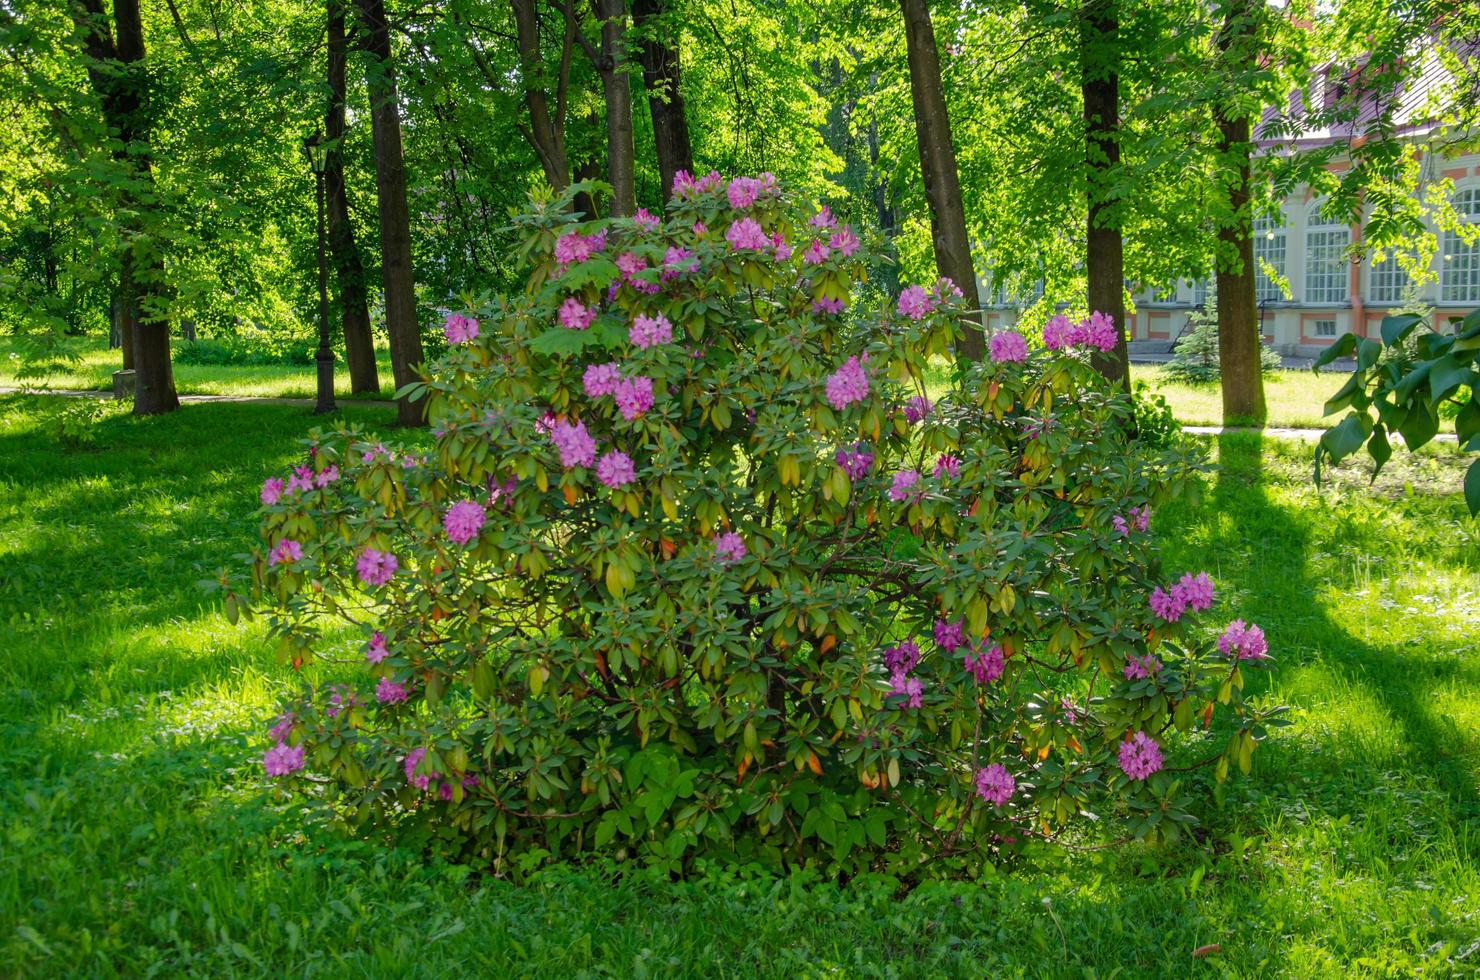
(1156, 426)
(1195, 359)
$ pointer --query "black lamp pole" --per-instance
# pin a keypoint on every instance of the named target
(318, 156)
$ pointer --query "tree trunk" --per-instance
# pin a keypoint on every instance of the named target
(545, 134)
(1242, 374)
(122, 88)
(938, 169)
(359, 342)
(1104, 249)
(395, 218)
(660, 75)
(585, 204)
(617, 89)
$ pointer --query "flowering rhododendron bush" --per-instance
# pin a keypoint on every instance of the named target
(698, 569)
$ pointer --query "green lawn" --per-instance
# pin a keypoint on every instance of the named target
(138, 836)
(1295, 398)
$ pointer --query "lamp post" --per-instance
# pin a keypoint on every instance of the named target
(317, 154)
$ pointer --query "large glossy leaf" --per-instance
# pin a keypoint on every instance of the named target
(1347, 437)
(560, 341)
(1342, 348)
(1395, 328)
(1472, 488)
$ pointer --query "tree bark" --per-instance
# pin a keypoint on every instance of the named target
(660, 76)
(354, 306)
(1104, 248)
(395, 218)
(117, 76)
(1242, 373)
(938, 170)
(611, 63)
(545, 134)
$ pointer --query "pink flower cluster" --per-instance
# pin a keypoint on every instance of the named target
(646, 220)
(743, 191)
(420, 780)
(376, 567)
(906, 486)
(855, 462)
(947, 465)
(602, 379)
(917, 408)
(746, 235)
(899, 661)
(729, 547)
(1097, 330)
(615, 469)
(573, 247)
(650, 331)
(576, 446)
(848, 384)
(1140, 756)
(816, 253)
(460, 329)
(285, 551)
(1008, 347)
(1137, 517)
(995, 784)
(685, 186)
(575, 315)
(1189, 592)
(915, 303)
(949, 636)
(630, 264)
(678, 261)
(283, 759)
(824, 304)
(1243, 642)
(389, 692)
(376, 650)
(463, 521)
(633, 396)
(1140, 668)
(986, 665)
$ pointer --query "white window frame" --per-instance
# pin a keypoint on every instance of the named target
(1459, 276)
(1387, 281)
(1316, 326)
(1271, 247)
(1327, 277)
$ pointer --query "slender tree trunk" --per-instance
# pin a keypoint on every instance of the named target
(359, 342)
(938, 169)
(545, 134)
(395, 218)
(116, 73)
(1241, 372)
(1104, 248)
(585, 204)
(660, 75)
(616, 87)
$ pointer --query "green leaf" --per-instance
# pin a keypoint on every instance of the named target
(1347, 437)
(1395, 328)
(1379, 449)
(1447, 375)
(1420, 426)
(1342, 348)
(1472, 488)
(560, 340)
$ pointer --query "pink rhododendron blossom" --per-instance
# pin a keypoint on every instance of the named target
(1198, 591)
(1121, 527)
(816, 253)
(995, 784)
(376, 650)
(1056, 332)
(824, 304)
(848, 384)
(646, 220)
(947, 465)
(574, 315)
(683, 184)
(915, 303)
(678, 261)
(576, 446)
(463, 521)
(421, 780)
(1140, 756)
(615, 469)
(700, 229)
(601, 379)
(855, 462)
(746, 234)
(326, 476)
(634, 396)
(729, 547)
(285, 551)
(1008, 347)
(460, 329)
(389, 692)
(272, 490)
(823, 218)
(375, 452)
(946, 288)
(902, 658)
(905, 486)
(1099, 331)
(573, 247)
(280, 732)
(907, 687)
(1140, 668)
(1243, 641)
(743, 191)
(780, 246)
(376, 567)
(948, 635)
(844, 241)
(302, 479)
(630, 264)
(1142, 517)
(649, 331)
(283, 759)
(917, 408)
(985, 663)
(1166, 605)
(341, 698)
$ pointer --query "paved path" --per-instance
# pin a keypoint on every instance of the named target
(1303, 435)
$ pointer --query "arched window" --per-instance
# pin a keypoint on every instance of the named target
(1326, 276)
(1388, 281)
(1269, 249)
(1459, 281)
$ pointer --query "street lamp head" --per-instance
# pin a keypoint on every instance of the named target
(316, 151)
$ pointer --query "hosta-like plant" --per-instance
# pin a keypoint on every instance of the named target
(699, 566)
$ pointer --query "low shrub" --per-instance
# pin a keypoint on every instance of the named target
(247, 349)
(696, 570)
(1195, 355)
